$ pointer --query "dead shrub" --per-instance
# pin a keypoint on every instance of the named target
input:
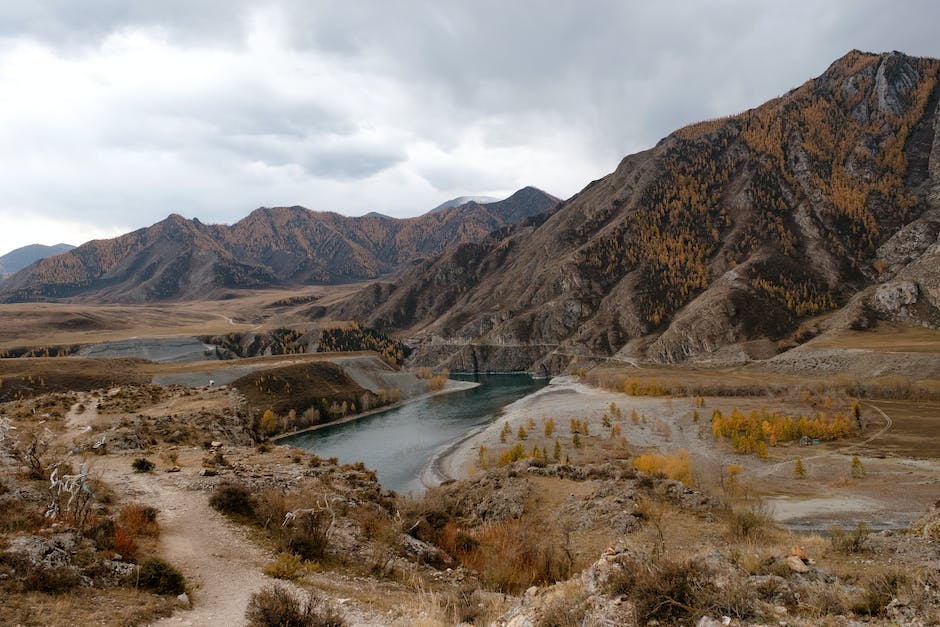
(307, 535)
(277, 607)
(564, 610)
(270, 507)
(822, 599)
(849, 542)
(752, 523)
(512, 556)
(879, 589)
(17, 515)
(140, 519)
(233, 499)
(673, 591)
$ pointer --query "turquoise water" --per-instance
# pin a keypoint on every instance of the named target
(398, 444)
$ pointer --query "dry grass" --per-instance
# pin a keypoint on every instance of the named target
(88, 606)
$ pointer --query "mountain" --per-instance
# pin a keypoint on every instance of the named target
(16, 260)
(186, 259)
(746, 233)
(462, 200)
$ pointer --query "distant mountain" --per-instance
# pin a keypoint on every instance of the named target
(16, 260)
(816, 210)
(462, 200)
(186, 259)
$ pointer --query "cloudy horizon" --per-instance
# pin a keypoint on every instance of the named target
(115, 114)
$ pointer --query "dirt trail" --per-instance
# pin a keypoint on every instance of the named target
(77, 419)
(222, 566)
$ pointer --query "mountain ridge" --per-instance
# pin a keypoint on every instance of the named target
(743, 228)
(186, 259)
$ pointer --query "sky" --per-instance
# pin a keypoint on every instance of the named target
(116, 113)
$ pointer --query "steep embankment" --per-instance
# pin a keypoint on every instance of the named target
(824, 200)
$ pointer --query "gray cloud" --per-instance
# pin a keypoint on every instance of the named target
(116, 113)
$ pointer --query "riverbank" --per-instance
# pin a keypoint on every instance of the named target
(451, 385)
(562, 398)
(890, 492)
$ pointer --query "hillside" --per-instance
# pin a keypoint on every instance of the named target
(16, 260)
(185, 259)
(818, 209)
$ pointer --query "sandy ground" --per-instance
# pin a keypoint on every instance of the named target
(894, 491)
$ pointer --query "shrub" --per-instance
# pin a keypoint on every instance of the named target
(277, 607)
(307, 535)
(159, 577)
(751, 524)
(665, 591)
(288, 566)
(233, 499)
(513, 556)
(142, 464)
(845, 542)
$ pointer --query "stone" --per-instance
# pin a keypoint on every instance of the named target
(183, 600)
(207, 472)
(797, 565)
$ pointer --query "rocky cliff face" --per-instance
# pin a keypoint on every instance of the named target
(726, 231)
(180, 258)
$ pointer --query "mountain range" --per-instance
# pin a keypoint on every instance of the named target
(732, 238)
(179, 258)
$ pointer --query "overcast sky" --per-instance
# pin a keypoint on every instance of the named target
(115, 113)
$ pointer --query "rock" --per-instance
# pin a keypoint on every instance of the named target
(797, 565)
(890, 298)
(173, 469)
(707, 621)
(207, 472)
(183, 600)
(215, 444)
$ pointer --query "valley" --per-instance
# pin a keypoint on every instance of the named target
(703, 390)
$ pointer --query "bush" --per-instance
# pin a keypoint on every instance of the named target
(750, 524)
(159, 577)
(849, 542)
(307, 535)
(288, 566)
(277, 607)
(233, 499)
(671, 591)
(142, 464)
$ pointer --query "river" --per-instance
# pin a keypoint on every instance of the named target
(400, 443)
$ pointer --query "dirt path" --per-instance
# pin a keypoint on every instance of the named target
(81, 415)
(222, 566)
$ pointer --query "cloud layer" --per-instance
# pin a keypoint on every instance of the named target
(114, 114)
